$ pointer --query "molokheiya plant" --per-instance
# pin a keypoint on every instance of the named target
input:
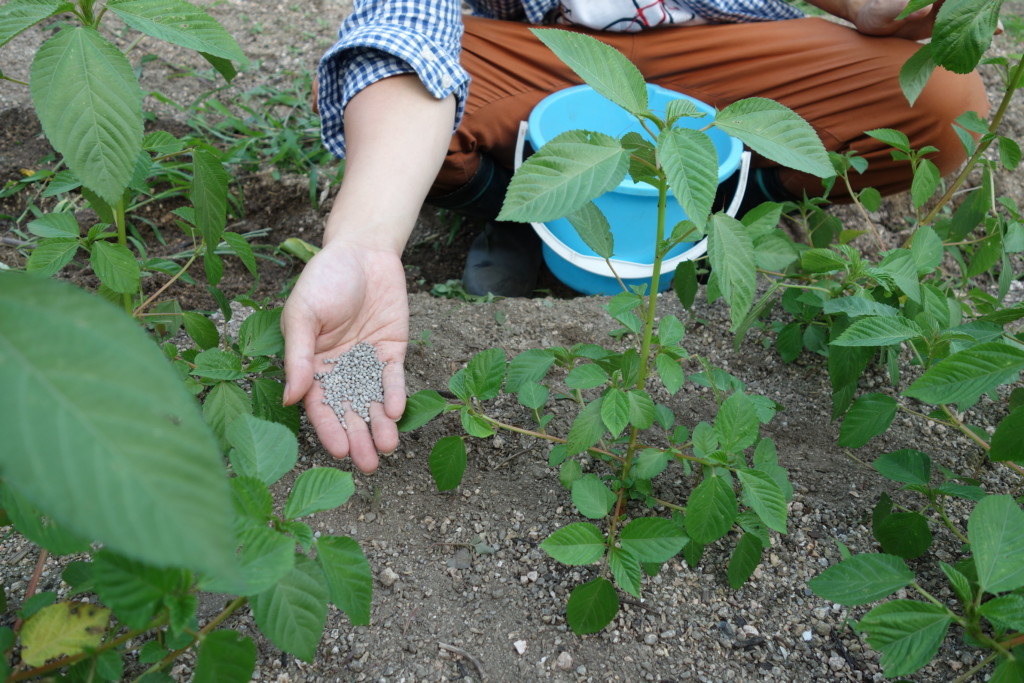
(108, 456)
(89, 101)
(619, 423)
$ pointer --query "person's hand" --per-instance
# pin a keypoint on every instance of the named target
(348, 294)
(878, 18)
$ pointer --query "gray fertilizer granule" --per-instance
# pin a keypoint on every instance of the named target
(355, 378)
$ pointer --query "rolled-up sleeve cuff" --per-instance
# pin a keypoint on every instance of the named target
(367, 55)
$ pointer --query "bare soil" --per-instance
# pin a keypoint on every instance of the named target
(463, 592)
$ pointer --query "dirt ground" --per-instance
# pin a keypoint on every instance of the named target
(463, 592)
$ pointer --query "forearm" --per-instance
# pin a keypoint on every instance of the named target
(397, 135)
(844, 9)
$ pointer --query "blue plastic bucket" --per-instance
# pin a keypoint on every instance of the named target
(631, 208)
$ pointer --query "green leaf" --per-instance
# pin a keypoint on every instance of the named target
(55, 225)
(626, 570)
(653, 539)
(965, 375)
(822, 261)
(587, 429)
(650, 463)
(996, 532)
(265, 557)
(736, 423)
(51, 255)
(563, 175)
(318, 489)
(267, 395)
(116, 434)
(690, 161)
(586, 376)
(915, 72)
(744, 560)
(731, 252)
(529, 366)
(776, 132)
(133, 590)
(448, 462)
(39, 528)
(485, 374)
(209, 195)
(1008, 439)
(963, 31)
(575, 544)
(593, 228)
(765, 497)
(19, 15)
(878, 331)
(116, 267)
(615, 411)
(178, 22)
(907, 633)
(711, 510)
(926, 181)
(475, 425)
(348, 576)
(90, 104)
(601, 66)
(201, 329)
(893, 138)
(260, 334)
(225, 403)
(421, 408)
(670, 372)
(641, 409)
(906, 466)
(292, 614)
(569, 472)
(870, 415)
(218, 365)
(1006, 611)
(591, 606)
(592, 497)
(961, 584)
(252, 500)
(904, 534)
(261, 449)
(533, 395)
(225, 657)
(862, 579)
(1008, 671)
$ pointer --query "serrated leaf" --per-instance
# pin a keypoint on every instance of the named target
(260, 334)
(963, 31)
(587, 429)
(112, 433)
(19, 15)
(961, 584)
(264, 557)
(115, 266)
(209, 196)
(653, 539)
(904, 534)
(421, 408)
(593, 228)
(529, 366)
(906, 466)
(776, 132)
(586, 376)
(615, 411)
(51, 255)
(348, 574)
(90, 105)
(448, 462)
(55, 225)
(736, 423)
(1006, 611)
(765, 497)
(225, 657)
(178, 22)
(485, 374)
(965, 375)
(1008, 439)
(870, 415)
(601, 66)
(217, 364)
(711, 510)
(132, 589)
(626, 570)
(318, 489)
(744, 560)
(201, 329)
(733, 268)
(591, 606)
(926, 181)
(261, 449)
(592, 497)
(862, 579)
(996, 532)
(878, 331)
(267, 395)
(690, 161)
(576, 544)
(67, 628)
(670, 372)
(292, 614)
(641, 409)
(907, 633)
(563, 175)
(252, 500)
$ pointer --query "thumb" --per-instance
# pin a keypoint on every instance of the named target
(299, 330)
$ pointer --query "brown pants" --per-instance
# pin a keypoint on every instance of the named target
(842, 82)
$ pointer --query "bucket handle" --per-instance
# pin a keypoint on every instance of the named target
(627, 269)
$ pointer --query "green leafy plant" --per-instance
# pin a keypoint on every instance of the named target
(621, 440)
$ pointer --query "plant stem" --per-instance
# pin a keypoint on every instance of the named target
(941, 509)
(967, 675)
(138, 311)
(542, 435)
(122, 239)
(863, 211)
(968, 432)
(232, 607)
(34, 581)
(652, 294)
(997, 119)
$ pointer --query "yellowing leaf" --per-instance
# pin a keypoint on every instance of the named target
(67, 628)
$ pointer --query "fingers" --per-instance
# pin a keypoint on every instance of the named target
(300, 335)
(393, 383)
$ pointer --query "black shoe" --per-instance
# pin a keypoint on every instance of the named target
(503, 260)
